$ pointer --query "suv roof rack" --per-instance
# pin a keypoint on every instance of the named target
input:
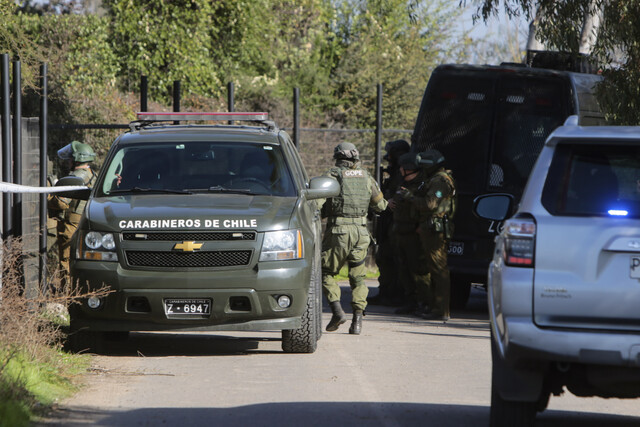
(147, 118)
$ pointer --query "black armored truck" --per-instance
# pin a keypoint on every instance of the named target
(490, 123)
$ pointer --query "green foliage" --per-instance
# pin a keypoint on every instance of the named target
(396, 43)
(166, 41)
(334, 51)
(28, 383)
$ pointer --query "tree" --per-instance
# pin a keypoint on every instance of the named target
(609, 27)
(394, 42)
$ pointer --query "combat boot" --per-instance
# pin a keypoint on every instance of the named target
(356, 323)
(338, 317)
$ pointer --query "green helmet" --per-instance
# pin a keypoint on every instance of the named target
(346, 151)
(82, 153)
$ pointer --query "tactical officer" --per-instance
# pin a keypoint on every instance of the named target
(346, 238)
(389, 287)
(436, 201)
(406, 221)
(68, 211)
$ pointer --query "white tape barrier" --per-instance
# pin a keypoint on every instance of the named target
(7, 187)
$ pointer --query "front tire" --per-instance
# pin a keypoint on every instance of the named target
(81, 341)
(305, 339)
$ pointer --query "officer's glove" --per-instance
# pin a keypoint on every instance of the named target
(404, 193)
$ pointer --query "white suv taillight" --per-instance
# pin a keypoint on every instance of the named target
(519, 242)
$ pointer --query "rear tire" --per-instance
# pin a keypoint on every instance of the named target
(510, 413)
(460, 291)
(507, 413)
(305, 339)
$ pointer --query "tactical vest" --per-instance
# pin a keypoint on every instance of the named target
(89, 177)
(448, 206)
(355, 194)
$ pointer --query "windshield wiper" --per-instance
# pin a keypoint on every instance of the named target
(150, 190)
(221, 189)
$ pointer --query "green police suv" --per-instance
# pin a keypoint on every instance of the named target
(201, 227)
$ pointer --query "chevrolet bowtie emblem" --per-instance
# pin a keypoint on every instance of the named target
(187, 246)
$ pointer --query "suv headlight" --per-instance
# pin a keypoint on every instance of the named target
(281, 245)
(97, 246)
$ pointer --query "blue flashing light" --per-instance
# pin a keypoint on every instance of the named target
(618, 212)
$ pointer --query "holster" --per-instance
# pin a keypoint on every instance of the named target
(441, 225)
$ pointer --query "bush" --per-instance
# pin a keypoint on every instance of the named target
(33, 370)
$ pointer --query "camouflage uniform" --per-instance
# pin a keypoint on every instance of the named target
(413, 268)
(389, 285)
(68, 213)
(436, 202)
(346, 238)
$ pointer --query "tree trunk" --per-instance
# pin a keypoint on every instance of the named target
(590, 26)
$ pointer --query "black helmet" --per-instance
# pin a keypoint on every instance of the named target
(346, 151)
(395, 149)
(408, 161)
(430, 160)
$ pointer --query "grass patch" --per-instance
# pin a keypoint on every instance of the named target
(28, 386)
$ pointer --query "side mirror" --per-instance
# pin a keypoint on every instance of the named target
(496, 207)
(74, 193)
(322, 187)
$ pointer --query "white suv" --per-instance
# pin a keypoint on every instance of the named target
(564, 282)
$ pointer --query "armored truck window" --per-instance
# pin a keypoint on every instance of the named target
(527, 111)
(457, 121)
(199, 166)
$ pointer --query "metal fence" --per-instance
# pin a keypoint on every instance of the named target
(26, 141)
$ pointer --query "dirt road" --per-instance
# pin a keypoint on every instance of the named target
(402, 371)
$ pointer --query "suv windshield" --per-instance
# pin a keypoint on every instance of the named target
(197, 166)
(594, 180)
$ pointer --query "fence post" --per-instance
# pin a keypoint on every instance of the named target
(176, 99)
(378, 133)
(44, 117)
(296, 117)
(6, 146)
(144, 89)
(378, 172)
(17, 147)
(230, 99)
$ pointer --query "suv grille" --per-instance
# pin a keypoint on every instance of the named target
(219, 236)
(195, 259)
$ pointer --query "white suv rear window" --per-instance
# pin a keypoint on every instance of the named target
(594, 180)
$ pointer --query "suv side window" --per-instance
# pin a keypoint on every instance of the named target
(300, 172)
(593, 180)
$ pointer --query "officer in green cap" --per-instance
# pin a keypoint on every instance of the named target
(66, 211)
(346, 238)
(436, 203)
(414, 275)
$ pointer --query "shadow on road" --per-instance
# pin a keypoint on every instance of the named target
(321, 414)
(158, 344)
